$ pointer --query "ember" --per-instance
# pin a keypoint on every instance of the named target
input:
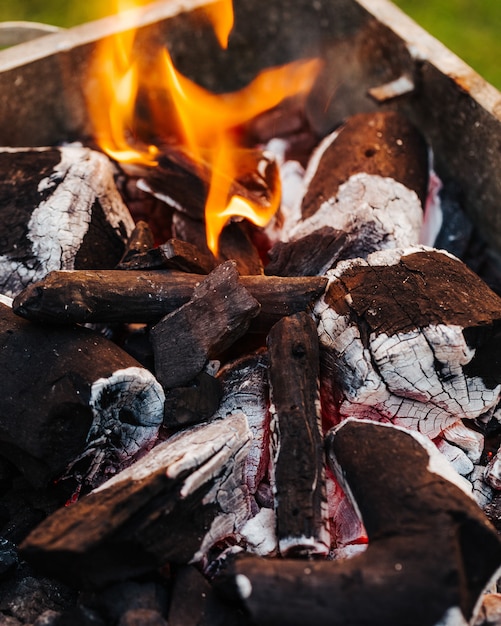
(247, 389)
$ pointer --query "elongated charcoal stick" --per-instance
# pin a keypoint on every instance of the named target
(299, 479)
(136, 296)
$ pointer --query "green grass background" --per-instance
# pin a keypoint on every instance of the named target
(470, 28)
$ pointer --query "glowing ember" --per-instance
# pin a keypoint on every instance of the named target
(205, 123)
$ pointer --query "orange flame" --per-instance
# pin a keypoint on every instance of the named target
(205, 122)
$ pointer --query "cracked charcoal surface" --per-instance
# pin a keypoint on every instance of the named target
(399, 342)
(60, 210)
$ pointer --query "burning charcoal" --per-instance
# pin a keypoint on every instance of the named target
(409, 336)
(60, 210)
(146, 297)
(218, 313)
(183, 184)
(140, 241)
(174, 255)
(348, 535)
(245, 389)
(170, 506)
(68, 394)
(193, 403)
(367, 179)
(422, 527)
(298, 468)
(234, 243)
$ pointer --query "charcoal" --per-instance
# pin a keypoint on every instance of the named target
(218, 313)
(422, 524)
(367, 180)
(171, 506)
(117, 599)
(298, 467)
(139, 242)
(174, 255)
(410, 336)
(383, 143)
(234, 243)
(194, 403)
(71, 394)
(9, 559)
(60, 210)
(145, 297)
(194, 603)
(246, 389)
(183, 184)
(27, 595)
(310, 255)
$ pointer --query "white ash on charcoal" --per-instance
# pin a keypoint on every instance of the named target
(409, 336)
(298, 473)
(422, 526)
(246, 390)
(171, 506)
(71, 397)
(462, 446)
(364, 190)
(218, 313)
(116, 296)
(60, 210)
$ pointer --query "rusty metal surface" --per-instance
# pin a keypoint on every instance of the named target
(369, 47)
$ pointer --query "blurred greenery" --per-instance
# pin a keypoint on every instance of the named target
(470, 28)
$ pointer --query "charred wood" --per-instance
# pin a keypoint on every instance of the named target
(194, 603)
(141, 240)
(234, 243)
(297, 447)
(174, 255)
(367, 179)
(311, 255)
(411, 336)
(170, 506)
(194, 403)
(70, 393)
(246, 389)
(183, 184)
(218, 313)
(60, 210)
(146, 296)
(422, 526)
(382, 143)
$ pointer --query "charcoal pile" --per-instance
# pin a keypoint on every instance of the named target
(303, 428)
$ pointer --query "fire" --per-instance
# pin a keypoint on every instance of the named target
(204, 124)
